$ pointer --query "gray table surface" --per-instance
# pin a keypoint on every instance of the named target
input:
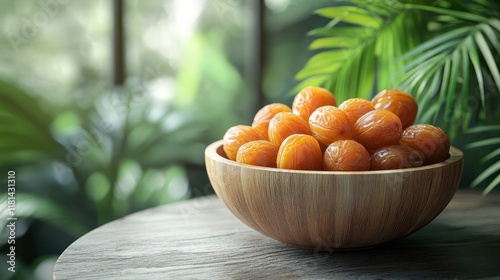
(201, 239)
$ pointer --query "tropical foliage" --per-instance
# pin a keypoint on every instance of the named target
(445, 53)
(85, 151)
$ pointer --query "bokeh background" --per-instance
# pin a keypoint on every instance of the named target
(106, 107)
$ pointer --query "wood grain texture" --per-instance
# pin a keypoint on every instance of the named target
(201, 239)
(333, 209)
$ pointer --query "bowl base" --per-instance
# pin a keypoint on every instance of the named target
(323, 249)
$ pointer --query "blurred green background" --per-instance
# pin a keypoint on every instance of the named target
(87, 149)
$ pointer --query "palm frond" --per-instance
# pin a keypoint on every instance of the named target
(495, 182)
(446, 54)
(488, 57)
(478, 129)
(449, 12)
(484, 142)
(494, 168)
(450, 56)
(491, 170)
(25, 127)
(356, 43)
(351, 14)
(491, 156)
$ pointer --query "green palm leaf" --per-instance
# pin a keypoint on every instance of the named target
(351, 14)
(24, 126)
(449, 56)
(484, 129)
(354, 52)
(449, 12)
(446, 54)
(494, 168)
(485, 142)
(491, 156)
(495, 182)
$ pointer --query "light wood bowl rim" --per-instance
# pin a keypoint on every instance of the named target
(214, 151)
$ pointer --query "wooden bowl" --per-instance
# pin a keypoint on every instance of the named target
(330, 209)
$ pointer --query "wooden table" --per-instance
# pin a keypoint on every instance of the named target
(201, 239)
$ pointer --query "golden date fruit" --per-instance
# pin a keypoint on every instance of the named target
(300, 152)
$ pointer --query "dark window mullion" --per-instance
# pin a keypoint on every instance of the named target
(118, 44)
(255, 55)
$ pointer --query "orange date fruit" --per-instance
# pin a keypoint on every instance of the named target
(259, 152)
(355, 108)
(264, 116)
(236, 136)
(377, 129)
(300, 152)
(329, 124)
(285, 124)
(430, 141)
(346, 155)
(311, 98)
(400, 103)
(395, 157)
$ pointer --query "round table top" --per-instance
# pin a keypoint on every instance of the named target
(201, 239)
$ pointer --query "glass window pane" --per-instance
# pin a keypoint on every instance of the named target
(194, 53)
(59, 50)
